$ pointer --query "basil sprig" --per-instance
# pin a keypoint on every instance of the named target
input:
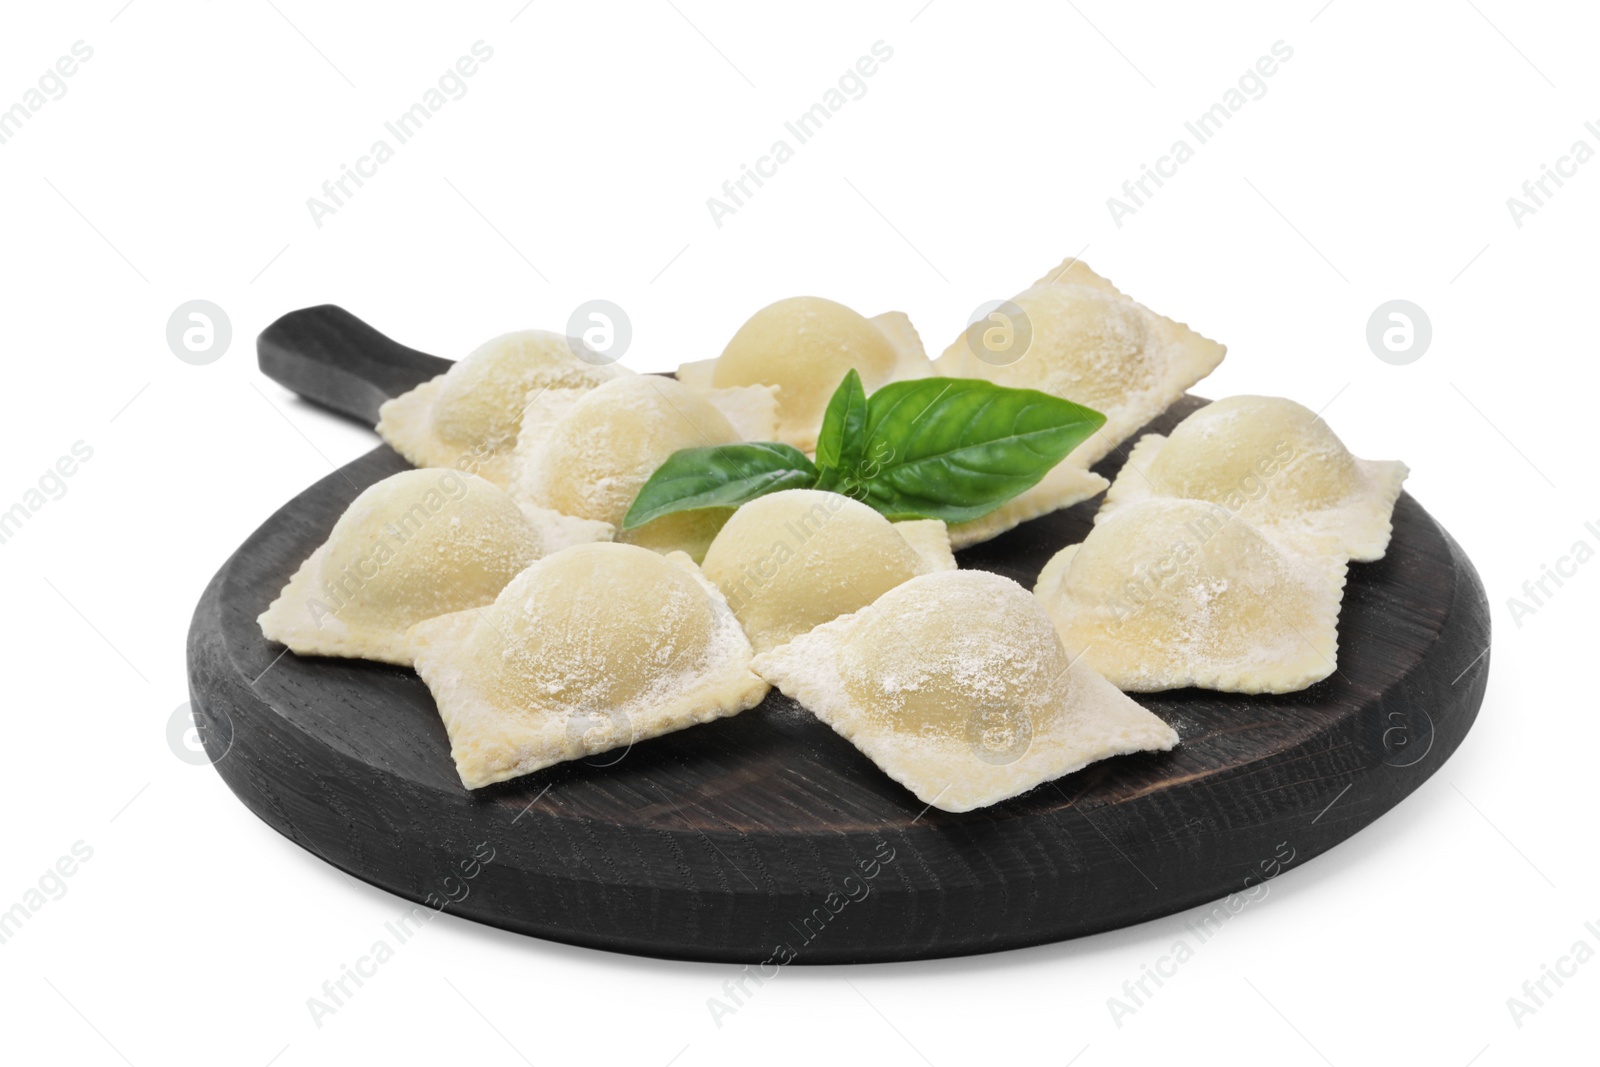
(931, 448)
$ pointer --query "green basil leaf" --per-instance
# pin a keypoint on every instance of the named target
(719, 476)
(957, 448)
(844, 427)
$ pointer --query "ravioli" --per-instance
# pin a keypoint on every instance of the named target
(414, 545)
(588, 452)
(792, 560)
(956, 684)
(805, 345)
(468, 417)
(1170, 593)
(1095, 346)
(593, 648)
(1275, 463)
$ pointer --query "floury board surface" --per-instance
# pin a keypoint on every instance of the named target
(767, 836)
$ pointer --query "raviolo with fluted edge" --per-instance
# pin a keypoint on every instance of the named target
(957, 685)
(1274, 462)
(587, 453)
(415, 545)
(804, 346)
(593, 648)
(1095, 346)
(470, 415)
(1170, 593)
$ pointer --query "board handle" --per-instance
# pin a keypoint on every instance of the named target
(336, 361)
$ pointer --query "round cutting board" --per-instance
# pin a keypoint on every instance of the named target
(766, 838)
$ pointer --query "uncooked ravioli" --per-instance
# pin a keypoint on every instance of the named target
(414, 545)
(792, 560)
(1094, 346)
(956, 684)
(804, 346)
(593, 648)
(1273, 462)
(1170, 593)
(587, 453)
(469, 416)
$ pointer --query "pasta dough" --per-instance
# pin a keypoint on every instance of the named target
(1272, 462)
(417, 544)
(587, 453)
(1170, 593)
(797, 558)
(593, 648)
(805, 345)
(468, 417)
(957, 686)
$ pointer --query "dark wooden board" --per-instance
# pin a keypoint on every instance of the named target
(749, 839)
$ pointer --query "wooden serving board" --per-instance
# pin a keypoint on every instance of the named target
(767, 837)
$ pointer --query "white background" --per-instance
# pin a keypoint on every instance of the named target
(1377, 166)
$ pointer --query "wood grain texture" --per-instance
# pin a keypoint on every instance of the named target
(749, 839)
